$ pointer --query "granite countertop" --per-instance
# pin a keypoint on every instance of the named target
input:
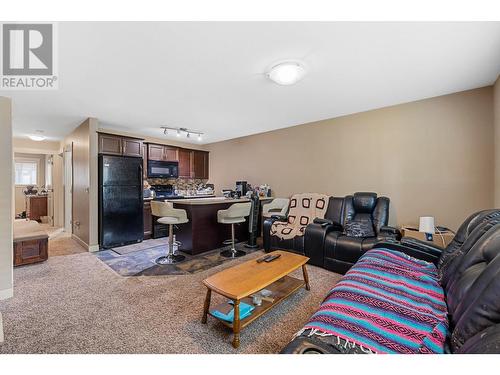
(205, 201)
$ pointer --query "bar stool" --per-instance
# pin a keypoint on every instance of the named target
(236, 213)
(170, 216)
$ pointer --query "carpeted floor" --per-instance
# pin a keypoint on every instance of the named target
(76, 304)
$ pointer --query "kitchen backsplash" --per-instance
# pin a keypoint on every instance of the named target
(179, 183)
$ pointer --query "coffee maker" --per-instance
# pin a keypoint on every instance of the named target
(241, 188)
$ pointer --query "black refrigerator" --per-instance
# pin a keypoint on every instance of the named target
(120, 201)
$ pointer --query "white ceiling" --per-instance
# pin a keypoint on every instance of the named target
(209, 77)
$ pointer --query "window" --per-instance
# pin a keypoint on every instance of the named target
(26, 172)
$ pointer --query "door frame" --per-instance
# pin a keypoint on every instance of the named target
(68, 188)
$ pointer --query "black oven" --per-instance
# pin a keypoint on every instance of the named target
(163, 169)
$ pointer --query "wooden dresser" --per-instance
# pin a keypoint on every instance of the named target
(36, 207)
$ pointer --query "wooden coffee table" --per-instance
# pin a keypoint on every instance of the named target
(238, 283)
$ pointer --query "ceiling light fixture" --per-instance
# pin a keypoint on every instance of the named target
(287, 72)
(37, 137)
(179, 131)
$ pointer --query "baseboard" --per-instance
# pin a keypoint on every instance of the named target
(93, 248)
(90, 248)
(6, 293)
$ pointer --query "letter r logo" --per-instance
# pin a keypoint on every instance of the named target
(27, 49)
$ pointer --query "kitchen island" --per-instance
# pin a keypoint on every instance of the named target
(203, 232)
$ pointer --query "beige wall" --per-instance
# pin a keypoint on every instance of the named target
(496, 115)
(85, 205)
(6, 202)
(431, 157)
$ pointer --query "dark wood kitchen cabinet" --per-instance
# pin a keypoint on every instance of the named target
(148, 221)
(155, 152)
(111, 144)
(162, 153)
(132, 147)
(200, 164)
(185, 163)
(192, 163)
(144, 161)
(171, 153)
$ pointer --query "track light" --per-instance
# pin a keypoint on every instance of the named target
(179, 131)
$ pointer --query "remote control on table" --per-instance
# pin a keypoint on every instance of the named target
(260, 260)
(271, 258)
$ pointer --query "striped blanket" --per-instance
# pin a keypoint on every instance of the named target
(388, 302)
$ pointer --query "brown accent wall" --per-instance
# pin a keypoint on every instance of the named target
(431, 157)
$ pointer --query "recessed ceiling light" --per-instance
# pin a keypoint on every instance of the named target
(37, 137)
(287, 73)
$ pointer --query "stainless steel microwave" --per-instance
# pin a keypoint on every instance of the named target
(163, 169)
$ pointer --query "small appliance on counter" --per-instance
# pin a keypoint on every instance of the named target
(241, 188)
(163, 192)
(205, 190)
(228, 193)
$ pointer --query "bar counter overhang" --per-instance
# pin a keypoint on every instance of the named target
(203, 233)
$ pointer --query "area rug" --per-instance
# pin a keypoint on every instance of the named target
(142, 262)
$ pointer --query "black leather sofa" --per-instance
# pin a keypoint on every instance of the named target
(469, 273)
(325, 241)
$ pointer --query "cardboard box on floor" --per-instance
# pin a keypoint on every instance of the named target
(438, 239)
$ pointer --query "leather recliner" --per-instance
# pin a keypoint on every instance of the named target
(321, 237)
(340, 250)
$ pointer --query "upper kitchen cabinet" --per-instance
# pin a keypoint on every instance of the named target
(110, 144)
(162, 153)
(193, 164)
(200, 164)
(185, 163)
(144, 161)
(155, 152)
(116, 145)
(171, 153)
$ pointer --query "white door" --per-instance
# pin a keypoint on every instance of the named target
(68, 189)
